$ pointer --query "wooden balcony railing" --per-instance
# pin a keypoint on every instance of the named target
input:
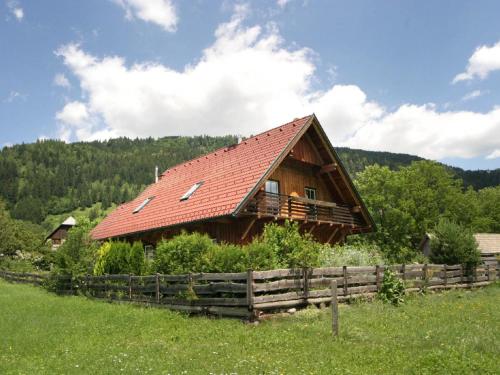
(299, 208)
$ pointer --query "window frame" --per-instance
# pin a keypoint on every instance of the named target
(188, 194)
(311, 189)
(277, 184)
(144, 203)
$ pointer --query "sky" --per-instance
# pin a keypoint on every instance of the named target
(417, 77)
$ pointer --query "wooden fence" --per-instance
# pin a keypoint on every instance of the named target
(248, 294)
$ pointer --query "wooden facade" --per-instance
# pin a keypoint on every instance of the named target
(308, 185)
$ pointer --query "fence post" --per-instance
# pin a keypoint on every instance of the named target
(445, 270)
(157, 288)
(305, 272)
(377, 277)
(344, 273)
(403, 272)
(425, 275)
(250, 292)
(461, 274)
(129, 286)
(335, 309)
(488, 272)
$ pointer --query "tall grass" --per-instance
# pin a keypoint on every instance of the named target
(449, 333)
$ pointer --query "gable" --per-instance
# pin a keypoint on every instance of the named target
(313, 151)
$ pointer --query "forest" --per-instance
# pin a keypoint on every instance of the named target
(43, 182)
(52, 177)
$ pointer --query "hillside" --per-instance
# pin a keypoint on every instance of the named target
(51, 177)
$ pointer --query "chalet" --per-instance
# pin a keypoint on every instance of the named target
(58, 235)
(289, 172)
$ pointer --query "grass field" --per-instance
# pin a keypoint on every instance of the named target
(455, 332)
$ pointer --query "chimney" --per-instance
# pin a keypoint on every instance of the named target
(156, 174)
(240, 138)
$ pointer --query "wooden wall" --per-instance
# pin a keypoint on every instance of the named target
(293, 180)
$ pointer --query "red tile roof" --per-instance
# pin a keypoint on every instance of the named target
(228, 175)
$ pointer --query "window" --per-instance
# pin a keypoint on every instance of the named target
(272, 201)
(142, 205)
(310, 193)
(312, 211)
(272, 186)
(149, 252)
(191, 190)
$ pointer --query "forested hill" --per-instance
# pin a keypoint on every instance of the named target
(52, 177)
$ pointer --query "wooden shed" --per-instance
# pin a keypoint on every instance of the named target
(58, 235)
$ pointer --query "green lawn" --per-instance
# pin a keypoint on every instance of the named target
(449, 333)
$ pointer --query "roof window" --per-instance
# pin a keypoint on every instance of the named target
(191, 190)
(142, 205)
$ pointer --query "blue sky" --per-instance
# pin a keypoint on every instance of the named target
(420, 77)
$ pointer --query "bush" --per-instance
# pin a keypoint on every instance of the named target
(292, 248)
(76, 255)
(453, 244)
(183, 254)
(226, 258)
(120, 257)
(392, 289)
(261, 256)
(350, 255)
(136, 261)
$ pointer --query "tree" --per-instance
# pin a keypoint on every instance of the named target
(453, 244)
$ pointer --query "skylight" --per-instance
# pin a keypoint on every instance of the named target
(191, 190)
(142, 205)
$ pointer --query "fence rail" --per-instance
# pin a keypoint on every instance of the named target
(247, 294)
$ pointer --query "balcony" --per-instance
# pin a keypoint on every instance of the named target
(266, 204)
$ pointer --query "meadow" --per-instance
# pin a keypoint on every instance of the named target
(454, 332)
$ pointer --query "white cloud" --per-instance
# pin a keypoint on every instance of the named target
(73, 113)
(248, 81)
(61, 81)
(483, 61)
(14, 96)
(472, 95)
(494, 155)
(16, 9)
(282, 3)
(160, 12)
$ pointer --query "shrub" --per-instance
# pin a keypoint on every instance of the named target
(292, 248)
(261, 256)
(120, 257)
(392, 289)
(183, 254)
(136, 261)
(350, 255)
(453, 244)
(76, 255)
(226, 258)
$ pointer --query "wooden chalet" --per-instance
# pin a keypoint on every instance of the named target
(58, 235)
(289, 172)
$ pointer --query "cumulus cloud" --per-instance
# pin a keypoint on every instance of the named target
(16, 9)
(159, 12)
(61, 81)
(494, 155)
(483, 61)
(248, 81)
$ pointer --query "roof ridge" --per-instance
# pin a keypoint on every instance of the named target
(226, 147)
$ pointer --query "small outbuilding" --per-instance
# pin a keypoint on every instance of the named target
(58, 235)
(489, 246)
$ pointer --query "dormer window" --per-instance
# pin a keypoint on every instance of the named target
(142, 205)
(191, 191)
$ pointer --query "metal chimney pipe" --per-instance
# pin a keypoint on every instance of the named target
(156, 174)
